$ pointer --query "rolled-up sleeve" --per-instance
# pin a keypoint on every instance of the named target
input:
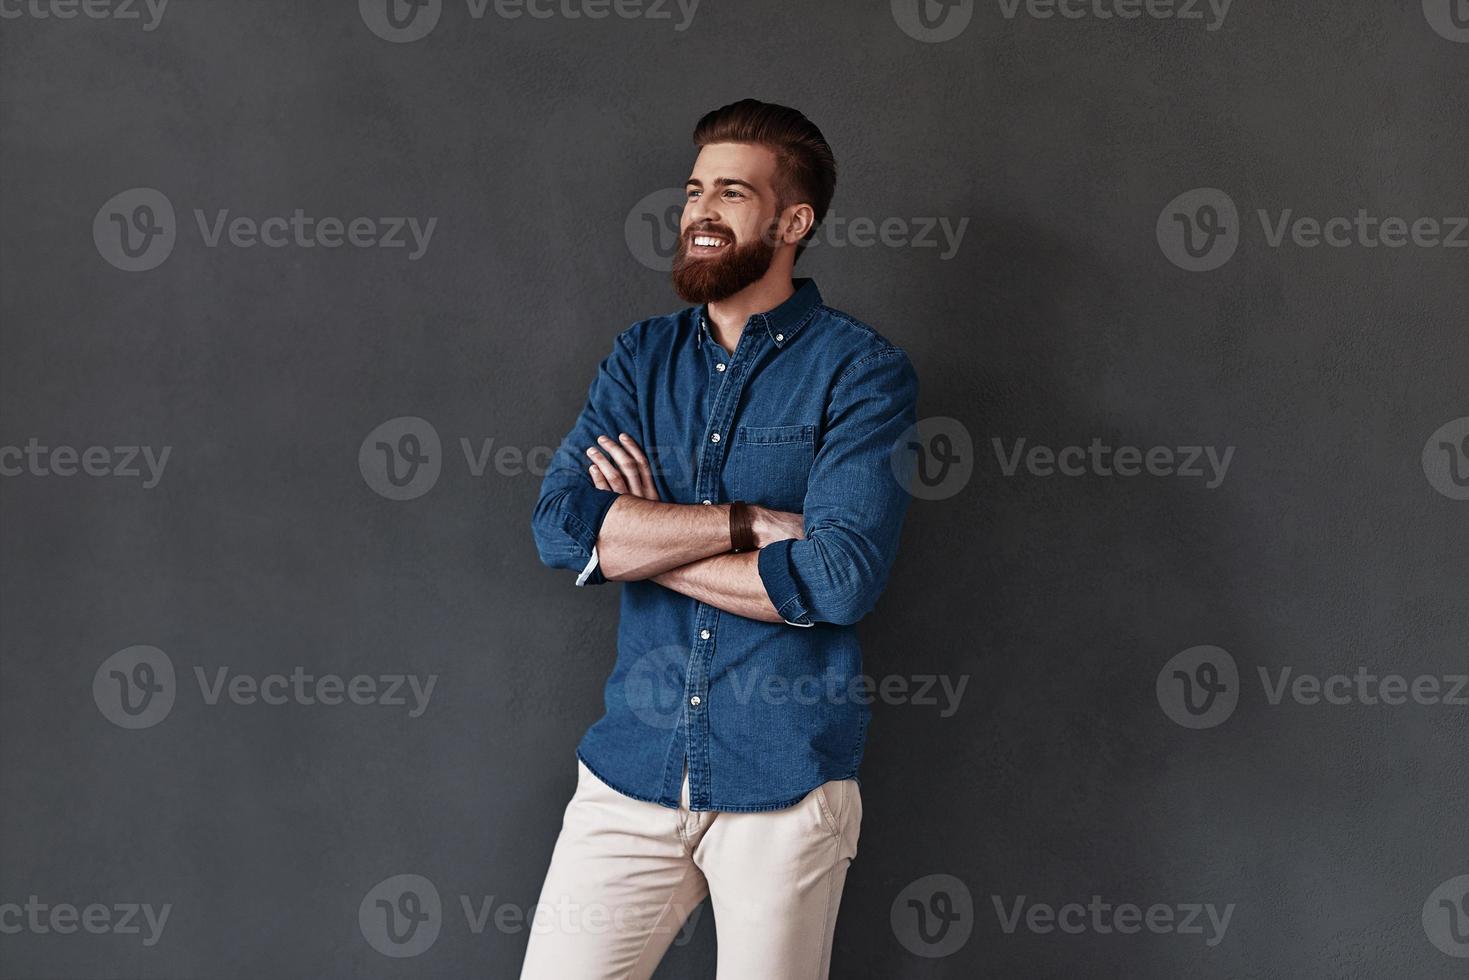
(569, 512)
(855, 500)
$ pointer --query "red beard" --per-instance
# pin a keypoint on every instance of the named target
(711, 278)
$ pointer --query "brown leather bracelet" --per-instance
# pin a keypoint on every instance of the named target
(741, 527)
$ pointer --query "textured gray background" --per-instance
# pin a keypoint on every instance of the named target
(1059, 320)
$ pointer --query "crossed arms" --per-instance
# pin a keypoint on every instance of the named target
(683, 547)
(599, 511)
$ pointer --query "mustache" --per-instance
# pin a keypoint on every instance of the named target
(709, 229)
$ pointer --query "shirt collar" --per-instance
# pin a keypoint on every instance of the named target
(783, 322)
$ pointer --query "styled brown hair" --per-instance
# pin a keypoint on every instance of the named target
(806, 170)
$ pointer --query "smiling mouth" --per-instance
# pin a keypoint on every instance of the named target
(707, 244)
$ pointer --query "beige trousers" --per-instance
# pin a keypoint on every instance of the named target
(625, 875)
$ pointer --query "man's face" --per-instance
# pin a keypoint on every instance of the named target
(728, 235)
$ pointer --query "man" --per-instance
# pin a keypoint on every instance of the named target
(732, 469)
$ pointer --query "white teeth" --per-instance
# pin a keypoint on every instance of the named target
(706, 240)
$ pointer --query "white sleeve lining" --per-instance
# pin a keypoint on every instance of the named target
(587, 572)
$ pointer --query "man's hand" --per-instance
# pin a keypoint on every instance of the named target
(621, 466)
(771, 526)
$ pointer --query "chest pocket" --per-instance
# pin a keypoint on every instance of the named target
(769, 464)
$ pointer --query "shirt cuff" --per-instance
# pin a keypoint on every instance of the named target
(586, 507)
(774, 564)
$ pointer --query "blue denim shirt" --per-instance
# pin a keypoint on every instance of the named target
(804, 416)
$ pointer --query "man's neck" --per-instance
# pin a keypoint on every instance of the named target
(729, 316)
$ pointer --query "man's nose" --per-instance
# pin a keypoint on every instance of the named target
(700, 210)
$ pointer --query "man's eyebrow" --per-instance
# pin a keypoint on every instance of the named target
(722, 182)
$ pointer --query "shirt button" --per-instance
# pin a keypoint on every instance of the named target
(708, 501)
(695, 701)
(704, 634)
(714, 437)
(780, 336)
(719, 368)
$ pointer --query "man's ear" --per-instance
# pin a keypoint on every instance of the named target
(797, 220)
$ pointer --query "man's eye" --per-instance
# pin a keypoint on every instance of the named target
(693, 194)
(733, 193)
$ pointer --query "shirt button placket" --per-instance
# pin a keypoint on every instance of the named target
(727, 398)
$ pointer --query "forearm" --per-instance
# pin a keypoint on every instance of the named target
(730, 582)
(641, 538)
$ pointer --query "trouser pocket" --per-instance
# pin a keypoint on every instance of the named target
(840, 804)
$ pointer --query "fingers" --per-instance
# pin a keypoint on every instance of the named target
(645, 471)
(622, 465)
(609, 471)
(597, 478)
(625, 464)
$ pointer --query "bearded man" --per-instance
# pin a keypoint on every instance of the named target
(732, 469)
